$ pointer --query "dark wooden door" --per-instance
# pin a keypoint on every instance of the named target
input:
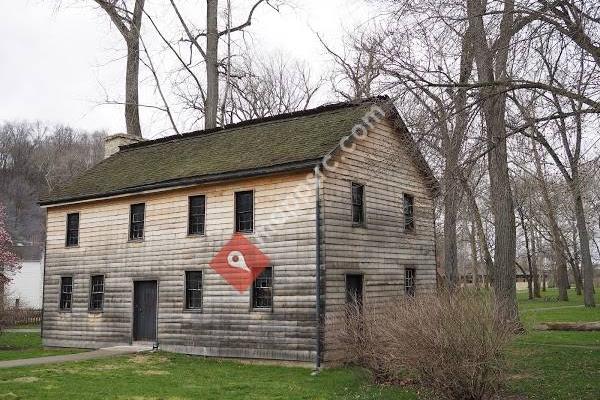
(144, 310)
(354, 288)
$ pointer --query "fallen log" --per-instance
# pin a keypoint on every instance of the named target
(568, 326)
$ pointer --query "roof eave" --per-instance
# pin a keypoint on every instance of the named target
(188, 181)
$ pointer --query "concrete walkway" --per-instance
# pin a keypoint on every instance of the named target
(90, 355)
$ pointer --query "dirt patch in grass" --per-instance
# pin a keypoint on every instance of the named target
(521, 376)
(47, 371)
(72, 369)
(154, 372)
(148, 359)
(108, 367)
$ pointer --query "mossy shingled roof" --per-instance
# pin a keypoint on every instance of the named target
(282, 141)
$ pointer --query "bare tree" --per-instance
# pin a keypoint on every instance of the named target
(534, 262)
(558, 244)
(147, 61)
(491, 59)
(129, 24)
(34, 159)
(565, 135)
(358, 67)
(268, 85)
(210, 52)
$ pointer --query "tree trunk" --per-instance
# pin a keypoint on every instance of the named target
(529, 257)
(529, 285)
(474, 258)
(544, 279)
(132, 111)
(577, 277)
(534, 266)
(452, 144)
(212, 65)
(562, 277)
(575, 264)
(476, 217)
(584, 243)
(491, 65)
(129, 25)
(504, 283)
(450, 214)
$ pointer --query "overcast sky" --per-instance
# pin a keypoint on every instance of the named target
(59, 64)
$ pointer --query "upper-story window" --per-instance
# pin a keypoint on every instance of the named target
(358, 204)
(72, 237)
(244, 211)
(136, 221)
(197, 213)
(409, 217)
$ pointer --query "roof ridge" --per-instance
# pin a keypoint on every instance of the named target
(256, 121)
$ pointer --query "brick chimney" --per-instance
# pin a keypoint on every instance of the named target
(112, 142)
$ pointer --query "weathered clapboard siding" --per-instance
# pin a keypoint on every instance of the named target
(226, 326)
(381, 250)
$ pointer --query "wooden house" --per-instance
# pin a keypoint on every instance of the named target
(215, 242)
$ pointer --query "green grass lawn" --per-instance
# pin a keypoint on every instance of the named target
(176, 377)
(553, 364)
(548, 308)
(15, 345)
(543, 365)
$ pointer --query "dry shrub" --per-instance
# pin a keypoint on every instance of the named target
(452, 345)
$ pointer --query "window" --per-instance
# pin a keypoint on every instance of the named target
(358, 209)
(262, 290)
(193, 290)
(409, 219)
(66, 292)
(354, 289)
(72, 230)
(97, 293)
(136, 221)
(409, 281)
(244, 211)
(197, 211)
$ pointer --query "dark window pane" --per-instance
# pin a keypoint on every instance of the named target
(409, 219)
(97, 292)
(262, 292)
(354, 289)
(197, 210)
(193, 290)
(358, 210)
(66, 292)
(136, 221)
(409, 281)
(244, 211)
(73, 229)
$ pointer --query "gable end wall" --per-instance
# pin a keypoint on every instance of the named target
(381, 250)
